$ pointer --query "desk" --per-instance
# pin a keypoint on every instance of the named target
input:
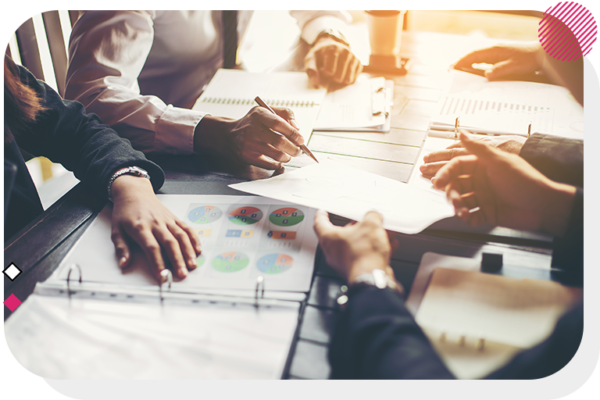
(38, 248)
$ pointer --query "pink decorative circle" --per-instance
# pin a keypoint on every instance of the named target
(567, 31)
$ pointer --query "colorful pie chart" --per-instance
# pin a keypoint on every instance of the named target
(275, 263)
(287, 216)
(205, 214)
(245, 215)
(232, 261)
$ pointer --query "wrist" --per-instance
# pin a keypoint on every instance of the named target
(365, 266)
(211, 134)
(126, 185)
(557, 208)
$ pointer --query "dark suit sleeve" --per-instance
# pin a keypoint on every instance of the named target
(551, 355)
(80, 142)
(376, 337)
(559, 159)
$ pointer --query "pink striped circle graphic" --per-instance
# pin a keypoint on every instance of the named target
(567, 31)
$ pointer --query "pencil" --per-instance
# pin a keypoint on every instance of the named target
(305, 149)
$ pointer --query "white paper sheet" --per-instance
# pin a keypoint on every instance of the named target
(88, 339)
(508, 107)
(351, 193)
(242, 237)
(352, 106)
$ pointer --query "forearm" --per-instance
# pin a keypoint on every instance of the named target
(312, 23)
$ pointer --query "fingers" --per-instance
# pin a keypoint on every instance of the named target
(193, 236)
(310, 67)
(121, 247)
(274, 153)
(503, 69)
(458, 166)
(336, 62)
(278, 123)
(488, 55)
(262, 161)
(144, 237)
(431, 169)
(485, 152)
(171, 247)
(445, 155)
(185, 244)
(323, 225)
(374, 217)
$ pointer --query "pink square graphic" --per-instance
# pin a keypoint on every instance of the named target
(12, 302)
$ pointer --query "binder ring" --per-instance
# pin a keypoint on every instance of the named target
(260, 286)
(165, 273)
(69, 278)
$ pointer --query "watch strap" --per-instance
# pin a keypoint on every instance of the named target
(133, 170)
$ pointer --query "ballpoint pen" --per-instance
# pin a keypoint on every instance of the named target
(305, 149)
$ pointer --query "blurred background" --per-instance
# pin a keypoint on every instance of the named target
(41, 44)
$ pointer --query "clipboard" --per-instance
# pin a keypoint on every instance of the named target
(363, 107)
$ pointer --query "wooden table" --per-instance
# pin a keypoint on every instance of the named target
(38, 248)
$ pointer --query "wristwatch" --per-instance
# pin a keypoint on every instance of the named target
(334, 34)
(377, 278)
(133, 170)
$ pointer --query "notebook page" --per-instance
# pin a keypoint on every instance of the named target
(516, 312)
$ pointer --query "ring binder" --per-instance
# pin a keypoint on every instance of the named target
(260, 286)
(69, 278)
(165, 273)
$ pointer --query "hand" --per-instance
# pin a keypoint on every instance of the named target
(251, 138)
(329, 60)
(356, 249)
(437, 159)
(507, 60)
(139, 216)
(498, 188)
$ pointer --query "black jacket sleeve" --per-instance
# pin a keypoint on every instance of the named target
(559, 159)
(80, 142)
(376, 337)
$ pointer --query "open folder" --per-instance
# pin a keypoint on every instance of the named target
(231, 94)
(364, 106)
(505, 108)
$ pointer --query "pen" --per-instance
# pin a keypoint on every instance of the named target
(305, 149)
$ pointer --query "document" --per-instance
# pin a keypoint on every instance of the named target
(506, 107)
(351, 193)
(363, 105)
(62, 338)
(242, 238)
(231, 94)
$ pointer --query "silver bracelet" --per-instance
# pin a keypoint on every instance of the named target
(134, 171)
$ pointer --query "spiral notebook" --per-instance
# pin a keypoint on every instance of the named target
(231, 94)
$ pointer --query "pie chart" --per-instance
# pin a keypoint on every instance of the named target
(232, 261)
(275, 263)
(204, 214)
(286, 216)
(245, 215)
(200, 260)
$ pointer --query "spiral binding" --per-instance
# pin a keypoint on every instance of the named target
(250, 102)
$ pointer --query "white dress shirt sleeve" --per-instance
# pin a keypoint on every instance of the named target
(312, 23)
(107, 52)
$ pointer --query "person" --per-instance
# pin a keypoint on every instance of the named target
(141, 71)
(377, 338)
(520, 61)
(38, 121)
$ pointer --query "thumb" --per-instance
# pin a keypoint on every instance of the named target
(502, 69)
(310, 66)
(484, 152)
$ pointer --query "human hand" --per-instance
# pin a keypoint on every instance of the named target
(357, 248)
(139, 216)
(329, 60)
(437, 159)
(252, 138)
(498, 188)
(507, 59)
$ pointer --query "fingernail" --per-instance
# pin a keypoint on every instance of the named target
(426, 158)
(183, 272)
(192, 263)
(122, 261)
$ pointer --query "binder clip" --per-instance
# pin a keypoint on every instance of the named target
(69, 278)
(260, 287)
(456, 126)
(165, 273)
